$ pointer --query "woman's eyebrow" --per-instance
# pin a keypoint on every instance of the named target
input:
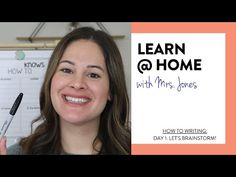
(67, 61)
(88, 66)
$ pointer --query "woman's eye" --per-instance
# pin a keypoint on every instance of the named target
(94, 75)
(66, 70)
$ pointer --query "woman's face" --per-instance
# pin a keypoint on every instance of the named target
(80, 85)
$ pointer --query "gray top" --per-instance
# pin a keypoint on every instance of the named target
(14, 149)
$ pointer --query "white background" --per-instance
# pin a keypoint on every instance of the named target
(12, 83)
(155, 109)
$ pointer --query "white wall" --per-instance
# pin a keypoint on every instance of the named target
(9, 31)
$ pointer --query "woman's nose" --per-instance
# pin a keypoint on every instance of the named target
(78, 82)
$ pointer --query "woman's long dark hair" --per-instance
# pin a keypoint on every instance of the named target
(114, 131)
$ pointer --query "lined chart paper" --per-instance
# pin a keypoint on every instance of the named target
(21, 71)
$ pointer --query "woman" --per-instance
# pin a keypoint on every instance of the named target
(84, 103)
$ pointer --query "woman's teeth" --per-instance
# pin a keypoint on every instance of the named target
(76, 100)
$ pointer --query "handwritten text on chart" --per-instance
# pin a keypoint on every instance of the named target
(159, 82)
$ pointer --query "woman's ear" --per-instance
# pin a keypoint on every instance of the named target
(109, 97)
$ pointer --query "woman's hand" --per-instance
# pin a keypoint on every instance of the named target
(3, 146)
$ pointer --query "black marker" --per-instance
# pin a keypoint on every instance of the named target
(12, 113)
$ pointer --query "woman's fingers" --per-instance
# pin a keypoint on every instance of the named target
(3, 146)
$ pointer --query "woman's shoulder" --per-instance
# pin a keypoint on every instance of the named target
(14, 149)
